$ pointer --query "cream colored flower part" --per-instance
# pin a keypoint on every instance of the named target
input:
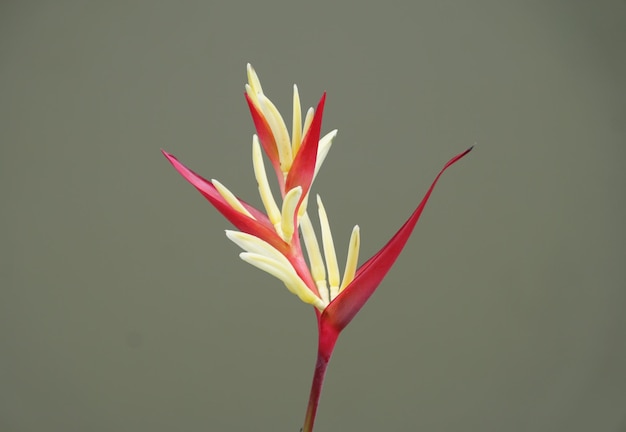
(324, 271)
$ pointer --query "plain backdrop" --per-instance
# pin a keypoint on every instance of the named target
(123, 307)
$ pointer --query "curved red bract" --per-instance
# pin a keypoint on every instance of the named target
(347, 304)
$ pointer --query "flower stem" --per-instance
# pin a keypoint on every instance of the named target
(327, 339)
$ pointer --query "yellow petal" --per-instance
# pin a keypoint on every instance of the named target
(286, 274)
(252, 95)
(329, 250)
(279, 130)
(322, 150)
(318, 271)
(230, 198)
(289, 209)
(264, 187)
(307, 121)
(352, 259)
(253, 244)
(253, 80)
(296, 128)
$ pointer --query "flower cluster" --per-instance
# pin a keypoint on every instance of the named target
(271, 239)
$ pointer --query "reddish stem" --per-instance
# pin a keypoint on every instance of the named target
(326, 343)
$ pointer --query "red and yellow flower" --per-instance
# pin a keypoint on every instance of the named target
(270, 239)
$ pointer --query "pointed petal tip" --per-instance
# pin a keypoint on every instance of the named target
(174, 161)
(368, 277)
(460, 155)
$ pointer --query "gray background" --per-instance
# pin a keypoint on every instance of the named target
(124, 308)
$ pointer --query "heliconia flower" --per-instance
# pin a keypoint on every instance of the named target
(270, 239)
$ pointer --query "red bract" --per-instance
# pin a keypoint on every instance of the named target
(260, 227)
(341, 310)
(338, 314)
(301, 173)
(271, 240)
